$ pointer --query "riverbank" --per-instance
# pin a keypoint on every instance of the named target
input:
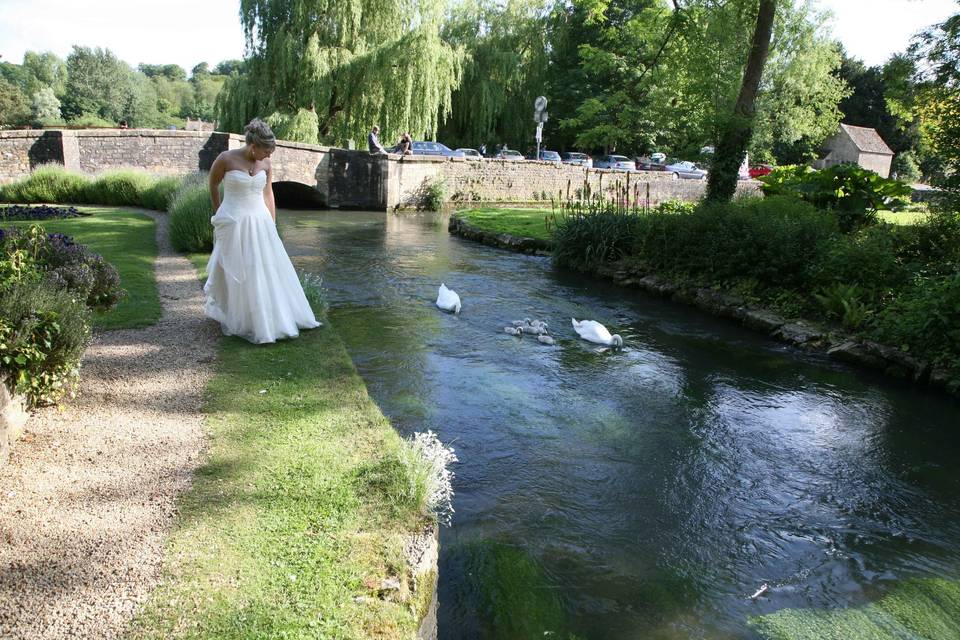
(803, 333)
(299, 520)
(523, 230)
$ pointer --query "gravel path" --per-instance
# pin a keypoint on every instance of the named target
(89, 491)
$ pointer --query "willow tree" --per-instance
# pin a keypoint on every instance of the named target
(351, 63)
(507, 48)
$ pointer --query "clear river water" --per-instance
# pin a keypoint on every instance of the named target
(645, 492)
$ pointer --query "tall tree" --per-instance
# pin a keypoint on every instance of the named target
(354, 63)
(937, 54)
(44, 70)
(45, 106)
(735, 136)
(505, 69)
(14, 110)
(98, 84)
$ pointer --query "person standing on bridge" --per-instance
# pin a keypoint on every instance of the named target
(373, 141)
(253, 290)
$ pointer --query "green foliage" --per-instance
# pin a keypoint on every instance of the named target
(159, 195)
(905, 167)
(98, 83)
(123, 187)
(435, 195)
(14, 110)
(42, 336)
(45, 106)
(91, 121)
(54, 184)
(766, 241)
(190, 212)
(842, 302)
(852, 193)
(924, 320)
(394, 71)
(300, 127)
(505, 69)
(50, 184)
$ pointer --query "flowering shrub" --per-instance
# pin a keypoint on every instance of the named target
(48, 286)
(39, 212)
(25, 255)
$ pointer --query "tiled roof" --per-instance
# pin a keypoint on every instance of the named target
(866, 139)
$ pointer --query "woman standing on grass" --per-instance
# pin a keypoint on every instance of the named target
(252, 289)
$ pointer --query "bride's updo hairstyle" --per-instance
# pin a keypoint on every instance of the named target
(260, 135)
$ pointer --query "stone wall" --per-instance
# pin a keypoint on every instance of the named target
(498, 181)
(878, 162)
(156, 151)
(23, 151)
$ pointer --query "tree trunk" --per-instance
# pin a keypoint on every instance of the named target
(735, 136)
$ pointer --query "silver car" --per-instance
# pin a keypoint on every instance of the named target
(510, 155)
(469, 154)
(576, 158)
(686, 170)
(615, 162)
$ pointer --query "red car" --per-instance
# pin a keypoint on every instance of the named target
(758, 170)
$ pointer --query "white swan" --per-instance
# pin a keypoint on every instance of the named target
(513, 331)
(544, 339)
(447, 299)
(593, 331)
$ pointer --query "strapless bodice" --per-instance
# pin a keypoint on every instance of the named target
(240, 187)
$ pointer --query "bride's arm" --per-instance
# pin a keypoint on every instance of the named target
(217, 170)
(268, 194)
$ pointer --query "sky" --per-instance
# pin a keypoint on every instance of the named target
(186, 32)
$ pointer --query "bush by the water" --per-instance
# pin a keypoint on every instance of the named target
(53, 184)
(40, 212)
(190, 212)
(850, 192)
(898, 284)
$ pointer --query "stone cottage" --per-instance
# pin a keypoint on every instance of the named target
(860, 145)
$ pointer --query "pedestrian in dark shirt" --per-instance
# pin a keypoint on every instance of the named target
(373, 141)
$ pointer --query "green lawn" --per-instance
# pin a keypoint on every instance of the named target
(524, 223)
(299, 511)
(127, 240)
(928, 609)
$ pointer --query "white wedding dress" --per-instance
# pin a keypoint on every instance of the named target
(252, 288)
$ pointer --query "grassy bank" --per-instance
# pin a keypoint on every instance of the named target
(928, 609)
(127, 240)
(300, 511)
(523, 223)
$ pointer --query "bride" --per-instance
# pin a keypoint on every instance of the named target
(252, 288)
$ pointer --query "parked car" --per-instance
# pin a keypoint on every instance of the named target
(427, 148)
(547, 156)
(649, 165)
(615, 162)
(686, 170)
(511, 155)
(758, 170)
(469, 154)
(576, 158)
